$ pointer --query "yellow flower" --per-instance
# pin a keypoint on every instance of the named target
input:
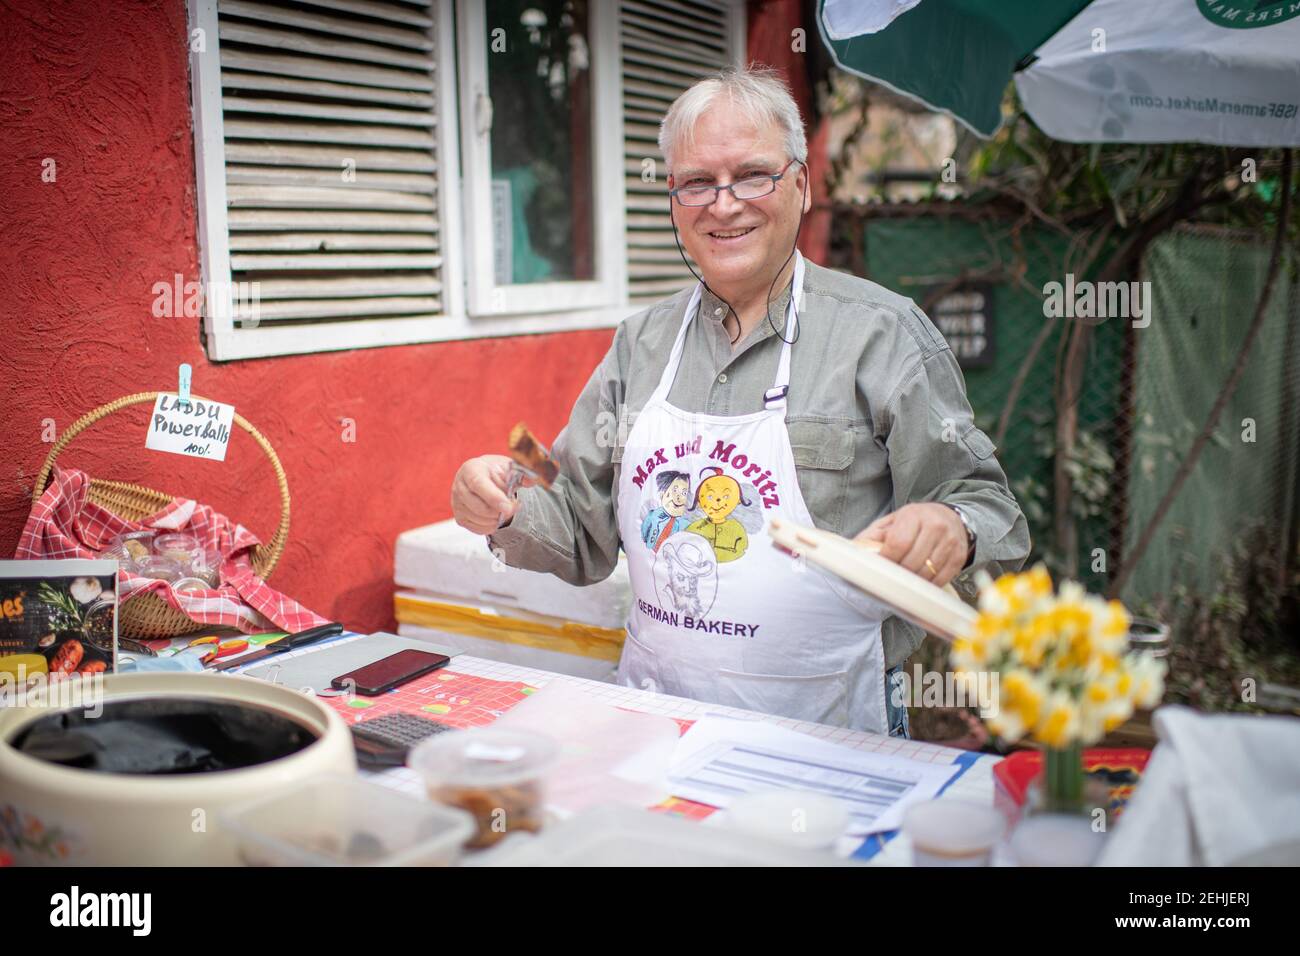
(1098, 692)
(967, 654)
(1101, 711)
(1058, 724)
(1066, 675)
(1148, 680)
(1018, 700)
(1029, 644)
(1117, 621)
(1040, 582)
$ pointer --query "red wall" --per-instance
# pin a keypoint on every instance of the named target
(101, 87)
(769, 40)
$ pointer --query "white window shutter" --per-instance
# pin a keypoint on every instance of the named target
(666, 46)
(331, 158)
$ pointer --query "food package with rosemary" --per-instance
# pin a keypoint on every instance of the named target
(57, 618)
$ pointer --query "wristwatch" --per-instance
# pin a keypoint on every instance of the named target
(970, 534)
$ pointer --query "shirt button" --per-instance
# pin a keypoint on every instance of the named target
(723, 378)
(717, 311)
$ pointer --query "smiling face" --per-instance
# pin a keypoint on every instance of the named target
(738, 245)
(719, 496)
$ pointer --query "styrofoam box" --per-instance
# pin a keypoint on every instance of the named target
(524, 655)
(444, 560)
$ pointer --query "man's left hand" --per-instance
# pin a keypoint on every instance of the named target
(928, 539)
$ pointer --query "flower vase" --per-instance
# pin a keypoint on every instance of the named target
(1061, 785)
(1060, 826)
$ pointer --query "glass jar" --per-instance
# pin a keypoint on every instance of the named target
(1148, 637)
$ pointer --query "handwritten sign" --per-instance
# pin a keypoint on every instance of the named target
(198, 428)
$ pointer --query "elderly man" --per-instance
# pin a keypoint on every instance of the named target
(781, 389)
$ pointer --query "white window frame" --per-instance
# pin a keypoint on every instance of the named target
(609, 288)
(226, 342)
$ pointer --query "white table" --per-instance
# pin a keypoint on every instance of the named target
(975, 782)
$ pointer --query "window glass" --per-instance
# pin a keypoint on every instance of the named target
(539, 79)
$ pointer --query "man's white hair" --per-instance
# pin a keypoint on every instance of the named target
(756, 93)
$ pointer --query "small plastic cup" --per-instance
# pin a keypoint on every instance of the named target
(793, 817)
(185, 585)
(157, 566)
(496, 776)
(132, 546)
(181, 548)
(953, 832)
(208, 568)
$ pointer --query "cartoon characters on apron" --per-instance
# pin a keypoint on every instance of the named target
(719, 614)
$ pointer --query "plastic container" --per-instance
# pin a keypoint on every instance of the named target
(797, 818)
(333, 820)
(208, 568)
(191, 584)
(156, 566)
(497, 776)
(953, 832)
(625, 836)
(181, 548)
(132, 547)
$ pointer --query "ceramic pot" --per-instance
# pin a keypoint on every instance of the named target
(52, 813)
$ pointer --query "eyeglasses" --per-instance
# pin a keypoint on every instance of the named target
(755, 187)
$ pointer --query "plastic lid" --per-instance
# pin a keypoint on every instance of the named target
(157, 566)
(177, 541)
(953, 827)
(796, 817)
(191, 584)
(483, 757)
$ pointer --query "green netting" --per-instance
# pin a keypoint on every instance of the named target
(1206, 289)
(912, 256)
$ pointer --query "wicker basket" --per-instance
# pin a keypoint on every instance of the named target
(148, 616)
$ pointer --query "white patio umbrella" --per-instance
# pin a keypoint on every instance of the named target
(1221, 72)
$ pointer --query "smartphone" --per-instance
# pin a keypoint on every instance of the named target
(392, 671)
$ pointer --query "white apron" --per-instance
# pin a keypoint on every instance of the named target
(719, 614)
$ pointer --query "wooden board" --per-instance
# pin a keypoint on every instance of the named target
(939, 610)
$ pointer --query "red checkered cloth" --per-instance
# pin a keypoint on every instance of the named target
(65, 523)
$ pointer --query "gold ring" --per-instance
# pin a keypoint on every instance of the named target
(930, 564)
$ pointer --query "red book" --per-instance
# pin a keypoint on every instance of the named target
(1119, 768)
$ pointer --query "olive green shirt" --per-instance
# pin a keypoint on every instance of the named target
(877, 416)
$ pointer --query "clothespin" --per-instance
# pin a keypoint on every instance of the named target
(183, 384)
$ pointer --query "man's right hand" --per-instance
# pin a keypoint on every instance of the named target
(478, 494)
